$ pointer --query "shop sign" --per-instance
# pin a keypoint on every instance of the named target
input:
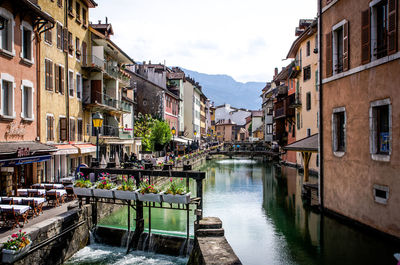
(21, 152)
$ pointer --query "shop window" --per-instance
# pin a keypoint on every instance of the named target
(380, 130)
(339, 131)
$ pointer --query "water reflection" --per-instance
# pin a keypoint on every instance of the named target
(266, 221)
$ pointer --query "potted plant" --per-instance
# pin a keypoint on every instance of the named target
(82, 187)
(15, 247)
(126, 191)
(148, 193)
(176, 192)
(104, 188)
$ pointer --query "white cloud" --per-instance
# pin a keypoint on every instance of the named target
(244, 39)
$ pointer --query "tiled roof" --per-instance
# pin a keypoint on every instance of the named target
(307, 144)
(12, 147)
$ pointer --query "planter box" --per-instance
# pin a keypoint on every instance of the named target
(102, 193)
(125, 195)
(9, 256)
(182, 199)
(87, 192)
(167, 167)
(148, 197)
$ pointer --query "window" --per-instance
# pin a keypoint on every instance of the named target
(308, 49)
(337, 49)
(50, 128)
(306, 73)
(59, 76)
(27, 100)
(298, 121)
(27, 49)
(78, 48)
(59, 36)
(308, 132)
(84, 52)
(70, 8)
(379, 29)
(7, 96)
(78, 12)
(381, 194)
(70, 44)
(7, 33)
(72, 129)
(63, 129)
(71, 86)
(80, 130)
(48, 68)
(48, 34)
(380, 129)
(339, 131)
(78, 86)
(308, 100)
(84, 16)
(59, 3)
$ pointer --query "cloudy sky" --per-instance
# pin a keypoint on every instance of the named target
(244, 39)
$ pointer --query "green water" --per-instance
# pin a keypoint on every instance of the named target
(265, 221)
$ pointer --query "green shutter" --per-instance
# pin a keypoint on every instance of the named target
(316, 80)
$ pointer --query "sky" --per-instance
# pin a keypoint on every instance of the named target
(245, 39)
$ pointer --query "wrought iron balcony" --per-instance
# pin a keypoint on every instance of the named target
(92, 61)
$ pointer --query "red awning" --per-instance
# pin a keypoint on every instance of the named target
(66, 149)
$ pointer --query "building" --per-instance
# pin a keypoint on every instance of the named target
(227, 112)
(21, 154)
(175, 83)
(203, 126)
(225, 131)
(267, 96)
(305, 75)
(257, 130)
(360, 111)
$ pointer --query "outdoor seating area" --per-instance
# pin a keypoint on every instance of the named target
(30, 203)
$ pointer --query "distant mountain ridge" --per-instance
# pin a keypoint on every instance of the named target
(222, 89)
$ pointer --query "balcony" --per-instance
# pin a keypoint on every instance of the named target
(104, 131)
(294, 70)
(106, 102)
(282, 108)
(296, 103)
(114, 71)
(125, 106)
(92, 61)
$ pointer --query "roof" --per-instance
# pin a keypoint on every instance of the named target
(283, 74)
(36, 10)
(303, 36)
(34, 147)
(91, 3)
(309, 144)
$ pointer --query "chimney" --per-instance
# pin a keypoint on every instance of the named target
(149, 61)
(276, 71)
(106, 20)
(144, 62)
(99, 21)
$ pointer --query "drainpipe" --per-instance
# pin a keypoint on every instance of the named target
(38, 88)
(66, 74)
(321, 120)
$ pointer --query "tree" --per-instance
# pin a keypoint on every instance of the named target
(144, 125)
(160, 135)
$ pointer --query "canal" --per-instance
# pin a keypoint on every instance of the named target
(264, 219)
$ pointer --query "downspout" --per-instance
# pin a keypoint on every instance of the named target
(66, 74)
(321, 120)
(38, 88)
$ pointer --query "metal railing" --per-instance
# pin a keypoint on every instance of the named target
(126, 106)
(93, 61)
(105, 130)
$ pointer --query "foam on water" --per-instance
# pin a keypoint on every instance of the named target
(237, 161)
(97, 254)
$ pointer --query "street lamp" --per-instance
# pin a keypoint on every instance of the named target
(97, 123)
(173, 131)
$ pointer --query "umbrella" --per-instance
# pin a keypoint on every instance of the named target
(107, 158)
(103, 162)
(117, 163)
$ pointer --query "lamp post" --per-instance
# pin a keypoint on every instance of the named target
(173, 131)
(97, 123)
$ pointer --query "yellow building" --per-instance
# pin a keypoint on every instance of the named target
(63, 53)
(305, 50)
(212, 118)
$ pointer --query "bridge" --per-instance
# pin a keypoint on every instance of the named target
(248, 149)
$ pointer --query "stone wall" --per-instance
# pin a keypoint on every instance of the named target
(211, 246)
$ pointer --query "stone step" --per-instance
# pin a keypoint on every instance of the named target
(210, 232)
(210, 223)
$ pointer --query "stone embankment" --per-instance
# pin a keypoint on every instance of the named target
(210, 246)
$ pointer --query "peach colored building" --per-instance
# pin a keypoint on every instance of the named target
(19, 150)
(361, 111)
(225, 132)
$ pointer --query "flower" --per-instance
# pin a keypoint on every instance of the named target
(14, 235)
(170, 179)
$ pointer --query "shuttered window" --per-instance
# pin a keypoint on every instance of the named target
(346, 61)
(59, 79)
(328, 54)
(80, 130)
(48, 34)
(72, 129)
(50, 128)
(63, 129)
(365, 37)
(48, 68)
(65, 40)
(59, 36)
(308, 101)
(392, 27)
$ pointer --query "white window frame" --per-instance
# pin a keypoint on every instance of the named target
(372, 131)
(8, 78)
(334, 132)
(26, 25)
(27, 83)
(7, 14)
(382, 188)
(54, 127)
(80, 84)
(334, 41)
(71, 83)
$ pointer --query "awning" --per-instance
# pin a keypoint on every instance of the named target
(24, 160)
(114, 141)
(180, 140)
(309, 144)
(66, 149)
(11, 148)
(86, 148)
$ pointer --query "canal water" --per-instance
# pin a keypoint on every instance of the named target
(265, 221)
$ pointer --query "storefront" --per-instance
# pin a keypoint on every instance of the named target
(21, 164)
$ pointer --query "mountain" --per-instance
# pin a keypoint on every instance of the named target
(222, 89)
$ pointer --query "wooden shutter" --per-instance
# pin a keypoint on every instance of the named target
(365, 37)
(392, 27)
(57, 79)
(63, 129)
(84, 47)
(59, 36)
(51, 75)
(48, 128)
(346, 62)
(47, 74)
(62, 80)
(328, 54)
(65, 40)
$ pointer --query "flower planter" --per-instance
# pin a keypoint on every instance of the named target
(10, 256)
(148, 197)
(88, 192)
(103, 193)
(125, 195)
(182, 199)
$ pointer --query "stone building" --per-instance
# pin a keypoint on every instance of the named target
(360, 111)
